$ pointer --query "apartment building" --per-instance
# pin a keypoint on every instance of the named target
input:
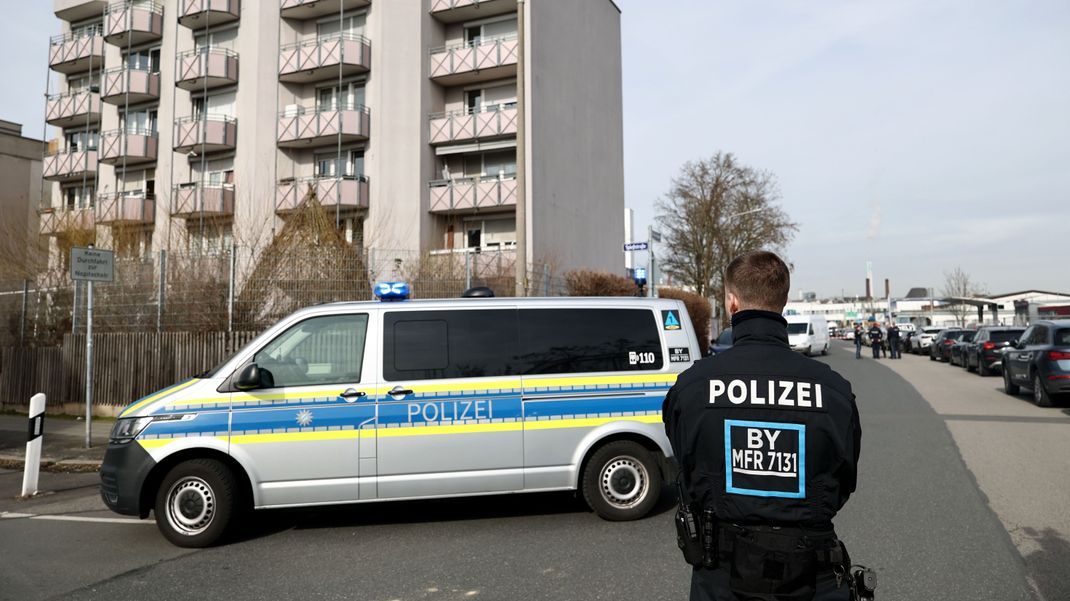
(196, 124)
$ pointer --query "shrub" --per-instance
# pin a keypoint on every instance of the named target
(587, 282)
(698, 307)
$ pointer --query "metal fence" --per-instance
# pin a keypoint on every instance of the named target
(243, 290)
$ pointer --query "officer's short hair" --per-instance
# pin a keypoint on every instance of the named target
(760, 280)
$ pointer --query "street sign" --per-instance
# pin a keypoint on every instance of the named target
(630, 246)
(92, 265)
(655, 236)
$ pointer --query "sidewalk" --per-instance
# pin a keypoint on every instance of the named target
(63, 446)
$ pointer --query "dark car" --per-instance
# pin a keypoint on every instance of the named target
(723, 342)
(1040, 361)
(940, 350)
(957, 354)
(985, 353)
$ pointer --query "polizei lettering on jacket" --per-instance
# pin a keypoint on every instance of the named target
(779, 393)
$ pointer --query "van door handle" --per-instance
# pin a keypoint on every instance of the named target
(397, 392)
(351, 394)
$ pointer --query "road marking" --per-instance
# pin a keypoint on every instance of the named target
(7, 515)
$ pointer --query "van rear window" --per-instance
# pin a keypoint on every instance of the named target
(797, 328)
(588, 340)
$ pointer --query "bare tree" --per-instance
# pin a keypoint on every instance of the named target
(959, 284)
(716, 209)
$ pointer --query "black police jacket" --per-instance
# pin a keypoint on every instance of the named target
(762, 434)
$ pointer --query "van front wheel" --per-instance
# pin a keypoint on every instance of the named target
(195, 503)
(622, 481)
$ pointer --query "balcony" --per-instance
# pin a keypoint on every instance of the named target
(141, 85)
(473, 63)
(319, 59)
(129, 147)
(62, 221)
(131, 23)
(310, 9)
(69, 54)
(74, 108)
(206, 134)
(69, 166)
(197, 14)
(126, 208)
(347, 193)
(203, 200)
(459, 126)
(322, 127)
(73, 11)
(206, 68)
(473, 194)
(456, 11)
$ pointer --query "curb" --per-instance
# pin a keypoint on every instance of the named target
(62, 466)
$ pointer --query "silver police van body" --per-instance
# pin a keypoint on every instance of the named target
(375, 401)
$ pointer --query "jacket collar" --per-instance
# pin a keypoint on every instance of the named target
(755, 326)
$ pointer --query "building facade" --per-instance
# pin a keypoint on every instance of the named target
(20, 171)
(197, 124)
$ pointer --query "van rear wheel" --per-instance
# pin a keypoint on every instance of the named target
(195, 503)
(621, 481)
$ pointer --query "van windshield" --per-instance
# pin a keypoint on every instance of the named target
(797, 328)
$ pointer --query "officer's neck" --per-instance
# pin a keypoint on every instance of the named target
(757, 326)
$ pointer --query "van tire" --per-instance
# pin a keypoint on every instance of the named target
(195, 503)
(621, 481)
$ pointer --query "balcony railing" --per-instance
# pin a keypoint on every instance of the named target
(455, 11)
(130, 146)
(206, 68)
(141, 84)
(310, 9)
(73, 11)
(473, 193)
(318, 127)
(333, 193)
(70, 165)
(73, 108)
(75, 53)
(60, 221)
(318, 59)
(463, 125)
(476, 62)
(131, 23)
(126, 208)
(196, 14)
(210, 133)
(208, 200)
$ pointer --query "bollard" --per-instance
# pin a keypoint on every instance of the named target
(32, 466)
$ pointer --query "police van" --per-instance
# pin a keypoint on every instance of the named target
(378, 401)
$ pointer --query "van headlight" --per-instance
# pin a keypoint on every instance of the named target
(127, 428)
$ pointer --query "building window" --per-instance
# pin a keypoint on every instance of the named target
(350, 97)
(77, 197)
(144, 60)
(142, 121)
(349, 165)
(78, 141)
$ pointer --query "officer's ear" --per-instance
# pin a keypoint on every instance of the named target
(731, 302)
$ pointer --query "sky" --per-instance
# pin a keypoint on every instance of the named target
(919, 135)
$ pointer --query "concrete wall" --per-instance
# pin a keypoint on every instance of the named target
(20, 172)
(576, 176)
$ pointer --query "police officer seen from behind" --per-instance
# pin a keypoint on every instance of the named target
(875, 338)
(893, 341)
(767, 443)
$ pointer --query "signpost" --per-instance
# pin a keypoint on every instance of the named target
(630, 246)
(90, 265)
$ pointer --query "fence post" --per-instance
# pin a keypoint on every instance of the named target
(467, 269)
(22, 320)
(32, 465)
(161, 291)
(230, 289)
(74, 309)
(546, 279)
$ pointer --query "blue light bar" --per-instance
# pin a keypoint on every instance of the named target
(392, 291)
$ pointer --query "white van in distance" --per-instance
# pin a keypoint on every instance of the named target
(808, 334)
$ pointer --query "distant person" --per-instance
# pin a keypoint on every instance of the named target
(858, 341)
(893, 341)
(875, 338)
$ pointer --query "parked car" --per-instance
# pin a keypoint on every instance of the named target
(848, 334)
(985, 353)
(923, 339)
(957, 354)
(1040, 361)
(904, 340)
(722, 343)
(940, 349)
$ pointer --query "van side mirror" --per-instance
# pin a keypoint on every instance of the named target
(249, 378)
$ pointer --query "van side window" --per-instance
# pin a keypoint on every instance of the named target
(589, 340)
(429, 345)
(320, 350)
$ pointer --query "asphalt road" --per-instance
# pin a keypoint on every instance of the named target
(922, 517)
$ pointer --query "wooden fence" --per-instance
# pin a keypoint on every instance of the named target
(126, 366)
